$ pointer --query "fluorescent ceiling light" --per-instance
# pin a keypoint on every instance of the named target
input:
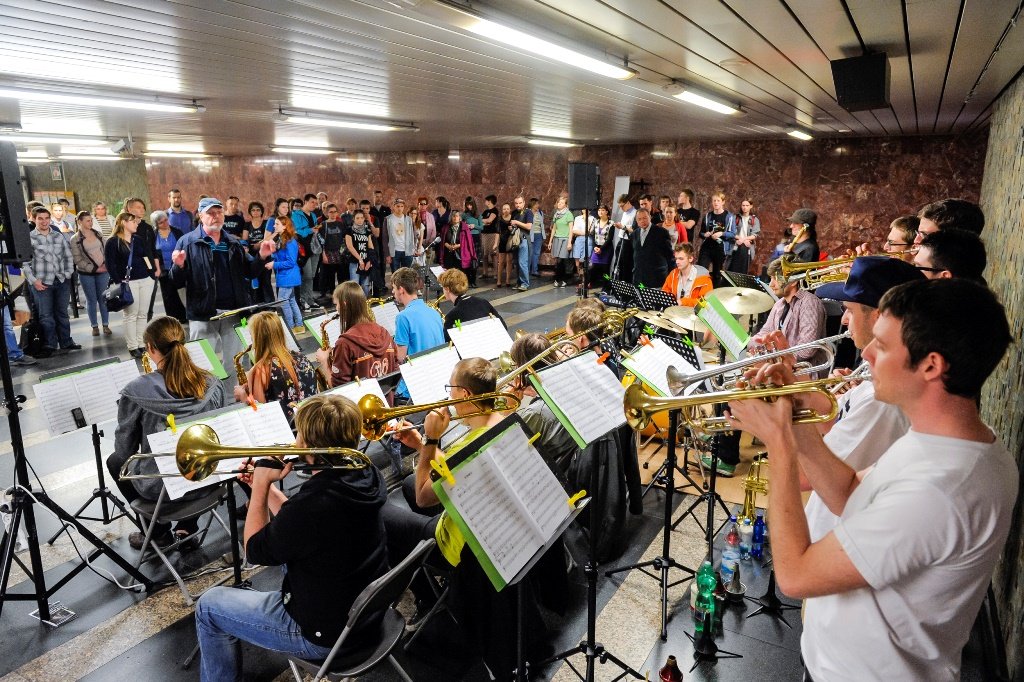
(161, 146)
(454, 156)
(318, 101)
(313, 118)
(88, 151)
(101, 100)
(32, 154)
(548, 50)
(303, 150)
(548, 142)
(799, 134)
(661, 154)
(84, 157)
(52, 138)
(271, 162)
(693, 97)
(32, 159)
(179, 155)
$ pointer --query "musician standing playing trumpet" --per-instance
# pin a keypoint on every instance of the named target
(330, 539)
(893, 589)
(177, 386)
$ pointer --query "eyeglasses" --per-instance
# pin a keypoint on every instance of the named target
(921, 267)
(423, 203)
(889, 242)
(449, 387)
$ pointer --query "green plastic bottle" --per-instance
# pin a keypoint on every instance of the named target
(706, 582)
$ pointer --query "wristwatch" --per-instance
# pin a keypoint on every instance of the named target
(431, 441)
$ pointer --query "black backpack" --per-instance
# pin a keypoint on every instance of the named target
(32, 340)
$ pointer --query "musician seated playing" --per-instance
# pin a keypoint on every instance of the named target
(329, 539)
(176, 386)
(893, 589)
(465, 308)
(364, 349)
(688, 282)
(279, 373)
(417, 327)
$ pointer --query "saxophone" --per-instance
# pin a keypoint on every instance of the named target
(239, 370)
(147, 364)
(436, 304)
(370, 302)
(325, 341)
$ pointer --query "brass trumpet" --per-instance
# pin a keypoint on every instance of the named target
(753, 485)
(639, 406)
(239, 370)
(436, 304)
(199, 451)
(376, 413)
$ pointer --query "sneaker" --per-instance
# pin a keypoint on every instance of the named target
(522, 287)
(162, 540)
(186, 545)
(298, 330)
(726, 470)
(24, 361)
(95, 331)
(73, 346)
(134, 352)
(106, 331)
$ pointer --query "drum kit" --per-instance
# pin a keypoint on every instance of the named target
(683, 320)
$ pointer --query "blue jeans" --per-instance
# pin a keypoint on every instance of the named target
(94, 286)
(363, 277)
(292, 314)
(535, 250)
(524, 263)
(52, 306)
(225, 615)
(14, 351)
(400, 260)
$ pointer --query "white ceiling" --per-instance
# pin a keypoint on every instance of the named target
(411, 60)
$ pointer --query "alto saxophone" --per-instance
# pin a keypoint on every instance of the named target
(147, 364)
(239, 370)
(436, 304)
(325, 341)
(370, 302)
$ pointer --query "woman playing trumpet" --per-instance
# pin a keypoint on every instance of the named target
(277, 373)
(177, 386)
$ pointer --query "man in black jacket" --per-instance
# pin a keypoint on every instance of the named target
(652, 252)
(217, 272)
(329, 536)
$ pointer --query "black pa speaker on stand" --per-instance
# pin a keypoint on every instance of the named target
(15, 244)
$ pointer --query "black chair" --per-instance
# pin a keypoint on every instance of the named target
(381, 594)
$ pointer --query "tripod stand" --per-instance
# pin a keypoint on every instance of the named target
(22, 500)
(102, 493)
(664, 563)
(591, 649)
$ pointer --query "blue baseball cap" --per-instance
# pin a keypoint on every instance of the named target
(870, 277)
(208, 203)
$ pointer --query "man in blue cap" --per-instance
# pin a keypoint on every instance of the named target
(216, 270)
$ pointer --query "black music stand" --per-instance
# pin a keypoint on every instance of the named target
(656, 299)
(664, 563)
(627, 293)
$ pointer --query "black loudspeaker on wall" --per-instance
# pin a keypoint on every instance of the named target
(15, 243)
(584, 186)
(862, 83)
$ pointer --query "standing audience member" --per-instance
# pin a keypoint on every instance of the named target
(748, 226)
(90, 263)
(166, 237)
(305, 224)
(688, 215)
(522, 220)
(622, 252)
(489, 234)
(718, 232)
(582, 242)
(333, 260)
(457, 245)
(179, 218)
(102, 220)
(538, 235)
(402, 242)
(126, 259)
(670, 221)
(652, 252)
(361, 252)
(380, 210)
(289, 276)
(429, 228)
(469, 216)
(257, 229)
(281, 210)
(442, 217)
(234, 221)
(506, 252)
(602, 257)
(558, 242)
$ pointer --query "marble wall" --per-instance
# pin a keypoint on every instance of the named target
(857, 185)
(1003, 396)
(92, 181)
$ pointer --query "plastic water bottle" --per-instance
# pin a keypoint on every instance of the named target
(757, 547)
(731, 553)
(705, 595)
(746, 540)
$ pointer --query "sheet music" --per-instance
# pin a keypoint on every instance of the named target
(486, 338)
(587, 394)
(653, 359)
(58, 397)
(333, 328)
(97, 394)
(723, 325)
(122, 373)
(356, 390)
(426, 375)
(230, 431)
(385, 315)
(507, 536)
(202, 354)
(267, 424)
(289, 339)
(531, 480)
(436, 271)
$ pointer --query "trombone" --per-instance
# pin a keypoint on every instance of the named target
(612, 324)
(640, 407)
(199, 451)
(239, 370)
(678, 381)
(376, 413)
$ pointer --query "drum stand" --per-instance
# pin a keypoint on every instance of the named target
(664, 563)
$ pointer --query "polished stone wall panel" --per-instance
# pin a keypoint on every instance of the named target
(858, 186)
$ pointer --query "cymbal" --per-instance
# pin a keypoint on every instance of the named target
(743, 301)
(684, 317)
(660, 321)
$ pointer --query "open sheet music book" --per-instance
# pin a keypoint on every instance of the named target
(426, 375)
(650, 361)
(723, 325)
(202, 354)
(242, 427)
(585, 397)
(385, 314)
(486, 338)
(505, 499)
(355, 390)
(333, 328)
(95, 390)
(245, 336)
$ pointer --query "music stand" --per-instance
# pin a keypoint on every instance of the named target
(741, 279)
(627, 293)
(656, 299)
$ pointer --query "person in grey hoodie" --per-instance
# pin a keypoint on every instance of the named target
(177, 386)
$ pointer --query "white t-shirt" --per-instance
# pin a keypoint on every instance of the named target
(865, 430)
(924, 527)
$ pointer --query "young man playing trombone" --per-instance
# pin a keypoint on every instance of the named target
(893, 589)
